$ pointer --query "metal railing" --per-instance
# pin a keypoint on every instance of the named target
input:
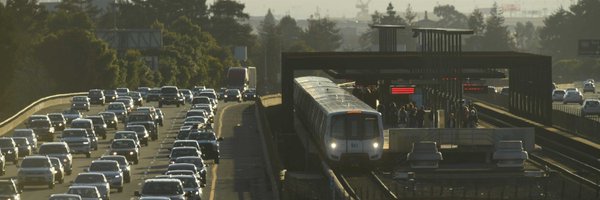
(12, 122)
(569, 118)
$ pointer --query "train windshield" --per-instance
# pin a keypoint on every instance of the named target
(354, 126)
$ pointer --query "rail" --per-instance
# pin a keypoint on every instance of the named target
(12, 122)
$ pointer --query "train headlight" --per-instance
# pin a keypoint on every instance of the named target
(333, 145)
(375, 145)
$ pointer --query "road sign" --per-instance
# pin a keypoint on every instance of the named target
(589, 47)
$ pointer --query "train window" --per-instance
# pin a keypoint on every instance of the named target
(371, 127)
(337, 127)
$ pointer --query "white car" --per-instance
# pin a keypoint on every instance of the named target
(572, 89)
(573, 97)
(558, 95)
(590, 107)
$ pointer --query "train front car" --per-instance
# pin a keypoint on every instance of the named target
(354, 137)
(347, 131)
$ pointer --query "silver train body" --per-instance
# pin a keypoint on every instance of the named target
(345, 128)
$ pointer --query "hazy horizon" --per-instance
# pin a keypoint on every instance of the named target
(347, 8)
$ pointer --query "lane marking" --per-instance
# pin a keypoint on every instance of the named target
(213, 184)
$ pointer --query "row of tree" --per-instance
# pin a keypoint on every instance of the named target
(43, 53)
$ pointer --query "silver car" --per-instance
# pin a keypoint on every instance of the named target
(123, 164)
(60, 150)
(29, 134)
(590, 107)
(36, 170)
(573, 97)
(95, 179)
(86, 192)
(111, 171)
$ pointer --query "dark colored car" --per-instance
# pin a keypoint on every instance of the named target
(233, 95)
(71, 114)
(150, 127)
(169, 95)
(96, 96)
(58, 121)
(209, 144)
(110, 95)
(138, 100)
(9, 149)
(111, 120)
(127, 148)
(99, 125)
(249, 94)
(43, 129)
(153, 95)
(9, 189)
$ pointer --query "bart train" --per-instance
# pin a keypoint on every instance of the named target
(345, 128)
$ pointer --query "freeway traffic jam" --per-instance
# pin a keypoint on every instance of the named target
(121, 123)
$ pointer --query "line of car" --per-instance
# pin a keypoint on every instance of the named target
(589, 106)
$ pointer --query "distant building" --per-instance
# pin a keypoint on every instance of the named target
(425, 22)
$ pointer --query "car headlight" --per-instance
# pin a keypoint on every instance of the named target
(375, 145)
(333, 145)
(86, 142)
(114, 153)
(131, 153)
(73, 104)
(85, 104)
(225, 96)
(117, 176)
(65, 160)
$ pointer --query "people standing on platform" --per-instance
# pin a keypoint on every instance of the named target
(402, 117)
(392, 114)
(420, 117)
(465, 116)
(381, 109)
(451, 121)
(473, 118)
(412, 111)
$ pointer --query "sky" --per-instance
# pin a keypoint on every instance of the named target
(347, 8)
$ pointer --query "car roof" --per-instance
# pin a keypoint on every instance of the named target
(161, 180)
(105, 161)
(82, 119)
(66, 195)
(54, 143)
(123, 139)
(91, 173)
(184, 148)
(82, 187)
(185, 141)
(36, 157)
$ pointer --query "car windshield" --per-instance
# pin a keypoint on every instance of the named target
(135, 94)
(232, 92)
(126, 135)
(116, 107)
(107, 115)
(53, 149)
(200, 100)
(40, 123)
(188, 182)
(21, 133)
(122, 144)
(6, 143)
(74, 133)
(592, 103)
(21, 141)
(184, 152)
(110, 92)
(55, 162)
(88, 179)
(138, 117)
(104, 166)
(95, 93)
(71, 112)
(572, 93)
(202, 136)
(79, 98)
(121, 160)
(168, 90)
(181, 167)
(97, 120)
(55, 117)
(138, 129)
(31, 163)
(185, 144)
(186, 92)
(6, 188)
(162, 188)
(84, 192)
(122, 90)
(559, 92)
(154, 91)
(207, 94)
(195, 161)
(80, 124)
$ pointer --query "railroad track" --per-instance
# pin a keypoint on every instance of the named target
(572, 163)
(365, 185)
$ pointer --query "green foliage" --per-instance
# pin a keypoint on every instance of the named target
(78, 60)
(450, 17)
(496, 36)
(371, 37)
(322, 35)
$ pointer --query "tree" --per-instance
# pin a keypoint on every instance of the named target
(290, 32)
(371, 37)
(322, 35)
(527, 37)
(496, 36)
(450, 17)
(225, 23)
(78, 60)
(409, 15)
(476, 22)
(271, 45)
